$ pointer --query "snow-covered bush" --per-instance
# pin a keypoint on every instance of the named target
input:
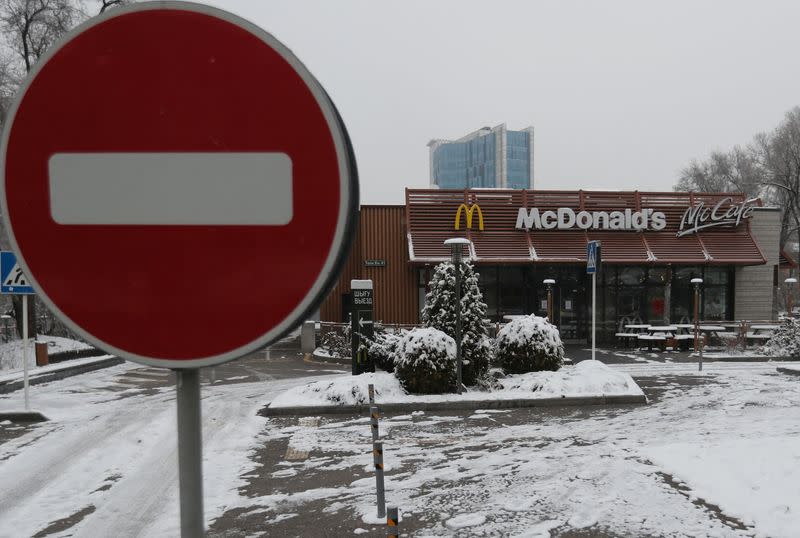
(426, 362)
(336, 341)
(528, 344)
(786, 340)
(383, 349)
(440, 313)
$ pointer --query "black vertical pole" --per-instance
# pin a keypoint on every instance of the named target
(456, 251)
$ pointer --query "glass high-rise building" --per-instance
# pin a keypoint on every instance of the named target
(491, 157)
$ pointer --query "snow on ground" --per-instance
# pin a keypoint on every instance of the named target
(715, 454)
(587, 378)
(113, 447)
(11, 352)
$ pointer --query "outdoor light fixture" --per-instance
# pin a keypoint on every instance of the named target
(456, 244)
(697, 348)
(549, 282)
(788, 282)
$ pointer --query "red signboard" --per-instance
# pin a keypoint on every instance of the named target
(177, 185)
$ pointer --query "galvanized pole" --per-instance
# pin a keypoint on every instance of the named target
(25, 351)
(697, 346)
(190, 453)
(377, 454)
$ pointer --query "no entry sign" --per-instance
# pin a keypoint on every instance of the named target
(177, 185)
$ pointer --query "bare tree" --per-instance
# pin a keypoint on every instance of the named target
(105, 4)
(735, 171)
(32, 26)
(779, 156)
(29, 28)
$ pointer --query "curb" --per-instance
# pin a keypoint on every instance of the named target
(790, 371)
(469, 405)
(23, 416)
(11, 386)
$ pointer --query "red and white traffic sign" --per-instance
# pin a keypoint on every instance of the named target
(177, 185)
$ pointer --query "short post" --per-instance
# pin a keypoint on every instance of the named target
(697, 346)
(377, 455)
(392, 522)
(374, 415)
(549, 283)
(371, 390)
(456, 245)
(789, 285)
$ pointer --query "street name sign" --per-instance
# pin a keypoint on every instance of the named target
(179, 188)
(12, 279)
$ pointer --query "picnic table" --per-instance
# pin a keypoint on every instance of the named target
(631, 333)
(658, 334)
(761, 332)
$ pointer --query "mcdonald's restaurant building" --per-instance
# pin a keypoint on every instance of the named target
(653, 244)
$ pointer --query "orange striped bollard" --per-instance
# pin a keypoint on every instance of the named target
(392, 522)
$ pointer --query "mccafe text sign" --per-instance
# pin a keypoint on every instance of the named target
(723, 213)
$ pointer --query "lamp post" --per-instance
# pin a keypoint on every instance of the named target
(456, 244)
(549, 282)
(789, 281)
(697, 348)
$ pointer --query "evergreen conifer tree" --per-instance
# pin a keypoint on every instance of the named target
(440, 313)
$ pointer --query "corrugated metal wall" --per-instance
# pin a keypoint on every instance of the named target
(381, 236)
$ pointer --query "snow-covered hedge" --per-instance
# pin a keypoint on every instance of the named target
(426, 362)
(383, 350)
(528, 344)
(786, 340)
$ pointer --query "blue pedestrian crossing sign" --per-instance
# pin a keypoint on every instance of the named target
(592, 257)
(12, 279)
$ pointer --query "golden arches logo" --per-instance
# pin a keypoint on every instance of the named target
(469, 212)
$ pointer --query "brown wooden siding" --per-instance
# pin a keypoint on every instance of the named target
(381, 235)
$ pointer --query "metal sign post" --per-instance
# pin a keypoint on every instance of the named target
(13, 282)
(362, 326)
(190, 452)
(592, 264)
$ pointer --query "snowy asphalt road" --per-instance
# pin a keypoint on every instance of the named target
(106, 464)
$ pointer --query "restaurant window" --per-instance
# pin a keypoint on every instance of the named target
(488, 284)
(717, 294)
(511, 286)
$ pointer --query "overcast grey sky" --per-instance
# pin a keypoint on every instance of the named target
(622, 94)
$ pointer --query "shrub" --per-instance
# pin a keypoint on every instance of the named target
(426, 362)
(336, 340)
(383, 350)
(528, 344)
(440, 313)
(786, 340)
